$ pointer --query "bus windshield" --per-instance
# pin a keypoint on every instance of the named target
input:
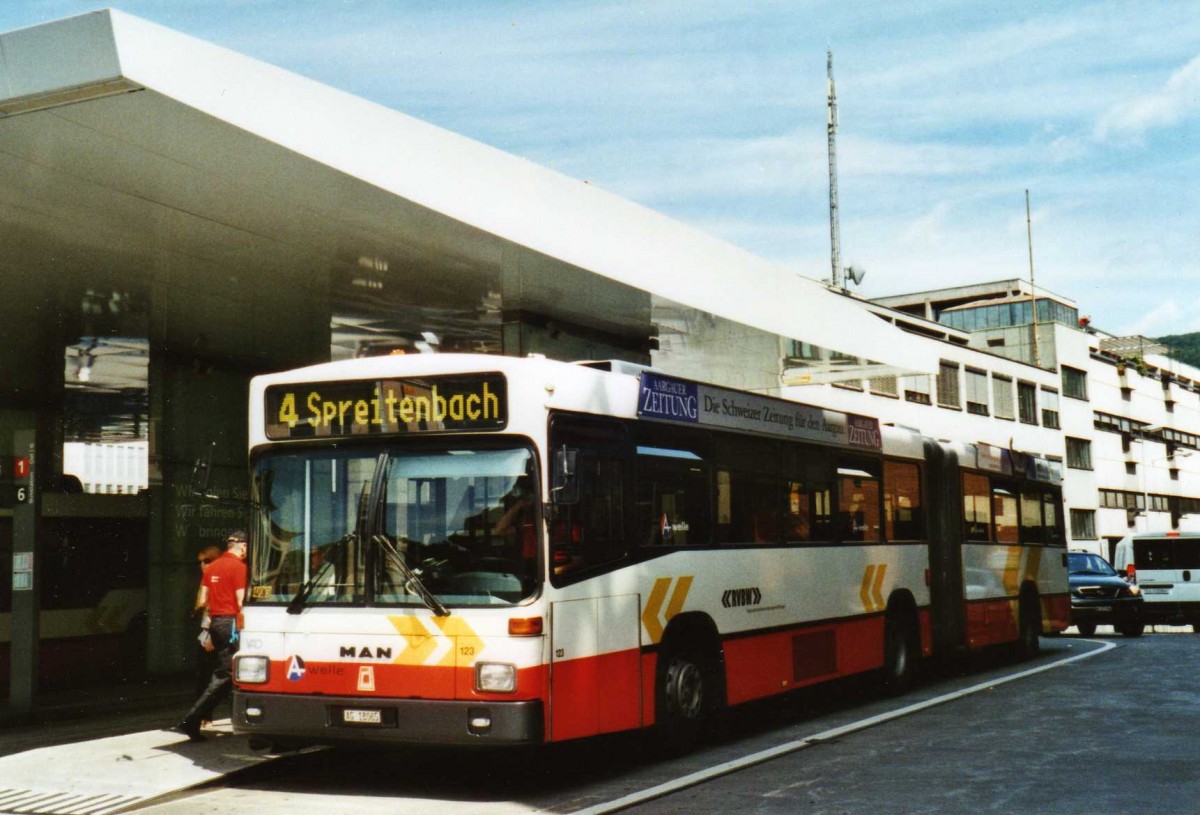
(464, 521)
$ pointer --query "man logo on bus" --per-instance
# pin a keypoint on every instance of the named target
(295, 669)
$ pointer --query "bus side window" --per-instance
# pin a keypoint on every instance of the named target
(1052, 519)
(1033, 529)
(808, 513)
(858, 500)
(904, 516)
(977, 507)
(591, 531)
(748, 498)
(1004, 507)
(672, 497)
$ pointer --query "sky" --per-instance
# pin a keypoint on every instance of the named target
(714, 113)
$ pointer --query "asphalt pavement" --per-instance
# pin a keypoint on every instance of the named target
(69, 715)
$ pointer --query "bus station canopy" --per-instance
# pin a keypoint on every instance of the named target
(130, 149)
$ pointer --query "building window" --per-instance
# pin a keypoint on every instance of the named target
(977, 392)
(916, 389)
(1002, 397)
(1079, 454)
(1131, 468)
(1083, 524)
(1122, 499)
(1074, 383)
(947, 385)
(883, 385)
(1027, 402)
(1050, 408)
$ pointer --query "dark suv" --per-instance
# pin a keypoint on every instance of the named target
(1100, 596)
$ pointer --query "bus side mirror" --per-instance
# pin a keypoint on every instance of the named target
(202, 474)
(564, 477)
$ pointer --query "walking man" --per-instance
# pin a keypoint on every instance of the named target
(223, 589)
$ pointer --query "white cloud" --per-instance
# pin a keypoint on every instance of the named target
(1131, 119)
(1156, 322)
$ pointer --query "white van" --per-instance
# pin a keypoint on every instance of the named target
(1166, 566)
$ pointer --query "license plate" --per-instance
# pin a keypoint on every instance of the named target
(362, 716)
(1156, 591)
(1102, 608)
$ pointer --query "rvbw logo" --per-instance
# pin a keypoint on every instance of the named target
(733, 598)
(295, 669)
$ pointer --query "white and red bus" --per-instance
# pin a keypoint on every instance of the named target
(466, 549)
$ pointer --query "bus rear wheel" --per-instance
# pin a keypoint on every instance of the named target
(1029, 626)
(901, 653)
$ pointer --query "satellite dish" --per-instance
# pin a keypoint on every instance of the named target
(855, 274)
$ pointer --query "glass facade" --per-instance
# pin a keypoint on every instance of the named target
(1003, 315)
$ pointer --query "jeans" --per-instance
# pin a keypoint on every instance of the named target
(223, 631)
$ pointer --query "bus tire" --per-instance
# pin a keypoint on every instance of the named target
(1132, 629)
(689, 693)
(901, 652)
(1086, 629)
(1029, 625)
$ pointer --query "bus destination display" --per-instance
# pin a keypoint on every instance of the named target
(419, 405)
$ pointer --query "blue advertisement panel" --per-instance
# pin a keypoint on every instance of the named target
(676, 400)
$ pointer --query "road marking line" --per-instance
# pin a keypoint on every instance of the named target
(763, 756)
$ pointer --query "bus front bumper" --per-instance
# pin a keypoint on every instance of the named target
(283, 717)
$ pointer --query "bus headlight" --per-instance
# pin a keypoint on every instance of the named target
(251, 670)
(495, 677)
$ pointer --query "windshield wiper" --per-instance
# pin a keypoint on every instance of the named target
(411, 580)
(332, 552)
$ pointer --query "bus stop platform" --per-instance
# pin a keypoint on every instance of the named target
(103, 748)
(117, 773)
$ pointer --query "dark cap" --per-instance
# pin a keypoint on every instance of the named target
(237, 536)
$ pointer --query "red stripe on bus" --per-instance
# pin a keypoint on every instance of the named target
(395, 681)
(756, 667)
(595, 695)
(991, 622)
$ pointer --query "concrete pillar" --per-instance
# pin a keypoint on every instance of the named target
(192, 406)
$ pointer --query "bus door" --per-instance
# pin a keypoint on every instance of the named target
(946, 589)
(595, 666)
(595, 641)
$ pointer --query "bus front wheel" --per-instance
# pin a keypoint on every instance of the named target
(687, 697)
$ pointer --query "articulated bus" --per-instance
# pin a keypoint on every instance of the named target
(465, 549)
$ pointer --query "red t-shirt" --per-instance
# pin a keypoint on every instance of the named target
(223, 577)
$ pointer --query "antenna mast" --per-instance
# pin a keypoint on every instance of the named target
(835, 235)
(1032, 286)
